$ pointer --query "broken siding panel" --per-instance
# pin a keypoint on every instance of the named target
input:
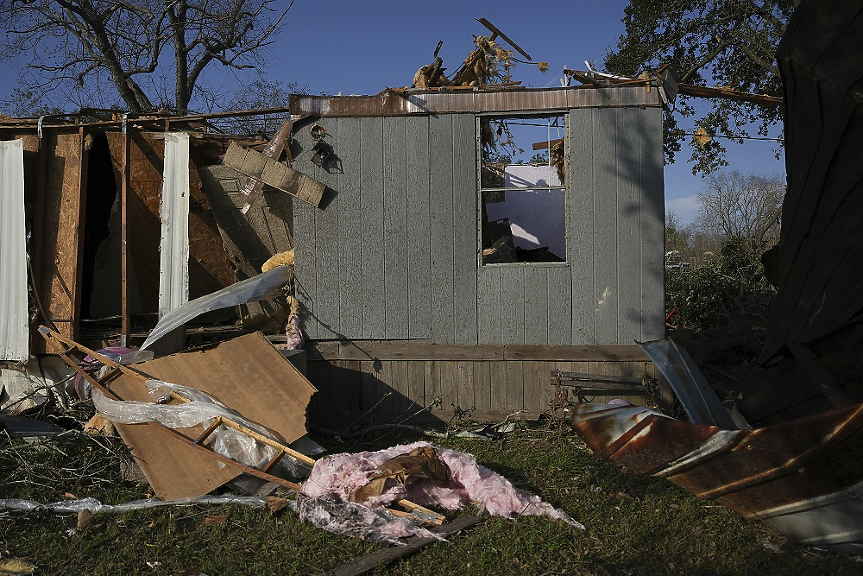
(14, 333)
(395, 227)
(464, 229)
(652, 225)
(417, 223)
(373, 275)
(442, 246)
(536, 304)
(581, 225)
(174, 212)
(605, 241)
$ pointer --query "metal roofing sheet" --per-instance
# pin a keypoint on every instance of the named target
(14, 335)
(448, 101)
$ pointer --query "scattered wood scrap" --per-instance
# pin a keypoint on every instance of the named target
(273, 173)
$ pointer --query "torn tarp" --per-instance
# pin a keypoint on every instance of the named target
(267, 285)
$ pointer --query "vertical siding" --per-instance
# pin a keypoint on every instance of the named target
(395, 227)
(652, 224)
(582, 208)
(417, 194)
(394, 254)
(327, 223)
(606, 233)
(442, 246)
(465, 246)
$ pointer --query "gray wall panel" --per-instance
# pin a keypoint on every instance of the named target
(488, 291)
(652, 225)
(536, 304)
(327, 242)
(418, 246)
(350, 229)
(512, 304)
(629, 270)
(372, 240)
(581, 226)
(441, 228)
(606, 212)
(395, 285)
(559, 290)
(464, 231)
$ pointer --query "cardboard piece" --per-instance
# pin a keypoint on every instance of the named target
(247, 374)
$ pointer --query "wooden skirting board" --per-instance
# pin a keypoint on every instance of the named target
(398, 350)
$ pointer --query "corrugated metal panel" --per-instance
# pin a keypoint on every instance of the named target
(14, 335)
(803, 476)
(461, 101)
(174, 251)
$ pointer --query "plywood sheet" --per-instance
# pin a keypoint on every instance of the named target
(247, 374)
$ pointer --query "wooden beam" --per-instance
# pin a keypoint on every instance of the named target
(729, 94)
(126, 328)
(497, 32)
(401, 350)
(547, 144)
(275, 174)
(84, 157)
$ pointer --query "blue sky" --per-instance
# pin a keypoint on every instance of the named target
(363, 47)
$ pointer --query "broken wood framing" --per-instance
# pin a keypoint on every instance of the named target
(118, 370)
(273, 173)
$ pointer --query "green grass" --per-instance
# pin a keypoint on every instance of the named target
(636, 525)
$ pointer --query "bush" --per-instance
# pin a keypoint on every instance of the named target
(728, 288)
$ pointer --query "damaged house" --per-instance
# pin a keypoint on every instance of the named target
(417, 285)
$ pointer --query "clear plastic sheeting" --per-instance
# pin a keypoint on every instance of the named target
(96, 507)
(372, 524)
(341, 475)
(118, 354)
(267, 285)
(202, 408)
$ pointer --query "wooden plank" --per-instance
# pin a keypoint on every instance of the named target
(384, 556)
(373, 240)
(441, 229)
(498, 386)
(350, 229)
(482, 385)
(417, 224)
(400, 350)
(395, 215)
(537, 393)
(464, 384)
(489, 324)
(327, 246)
(273, 173)
(536, 305)
(606, 288)
(514, 385)
(819, 373)
(652, 226)
(581, 227)
(432, 383)
(449, 387)
(416, 384)
(464, 228)
(559, 295)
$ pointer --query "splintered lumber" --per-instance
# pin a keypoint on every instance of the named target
(196, 440)
(273, 173)
(384, 556)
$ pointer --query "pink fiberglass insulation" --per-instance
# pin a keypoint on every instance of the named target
(341, 475)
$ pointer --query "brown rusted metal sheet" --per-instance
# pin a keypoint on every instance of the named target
(402, 103)
(803, 476)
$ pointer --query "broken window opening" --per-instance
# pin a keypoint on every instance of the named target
(522, 189)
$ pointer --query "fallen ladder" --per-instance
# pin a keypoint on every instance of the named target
(101, 384)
